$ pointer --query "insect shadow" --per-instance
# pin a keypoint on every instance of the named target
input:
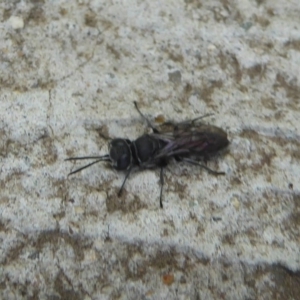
(190, 141)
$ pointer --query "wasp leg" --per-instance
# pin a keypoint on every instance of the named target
(148, 122)
(185, 124)
(201, 117)
(196, 163)
(161, 186)
(126, 177)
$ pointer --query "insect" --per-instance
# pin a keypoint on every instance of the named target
(188, 141)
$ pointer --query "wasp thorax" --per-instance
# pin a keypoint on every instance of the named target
(120, 154)
(145, 147)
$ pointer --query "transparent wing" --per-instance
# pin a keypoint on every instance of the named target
(199, 140)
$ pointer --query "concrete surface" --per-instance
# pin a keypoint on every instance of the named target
(70, 71)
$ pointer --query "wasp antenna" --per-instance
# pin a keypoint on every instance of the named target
(84, 167)
(104, 158)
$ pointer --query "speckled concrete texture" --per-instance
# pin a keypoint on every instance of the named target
(70, 71)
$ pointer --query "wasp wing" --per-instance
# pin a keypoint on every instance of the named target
(186, 140)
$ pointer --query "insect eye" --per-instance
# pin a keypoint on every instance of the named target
(120, 154)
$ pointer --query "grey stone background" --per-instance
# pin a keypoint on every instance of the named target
(70, 71)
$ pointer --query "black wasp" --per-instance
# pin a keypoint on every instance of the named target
(188, 141)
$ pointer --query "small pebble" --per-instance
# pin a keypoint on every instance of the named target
(16, 22)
